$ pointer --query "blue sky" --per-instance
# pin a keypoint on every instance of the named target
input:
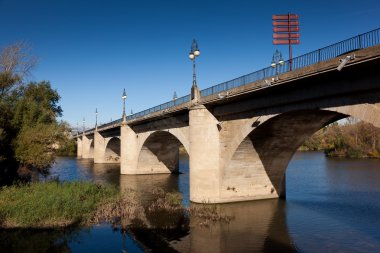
(91, 49)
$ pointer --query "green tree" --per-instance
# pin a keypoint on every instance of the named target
(39, 133)
(29, 131)
(38, 104)
(35, 146)
(15, 64)
(68, 148)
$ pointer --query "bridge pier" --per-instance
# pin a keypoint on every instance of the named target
(99, 148)
(79, 147)
(106, 150)
(87, 147)
(128, 150)
(204, 158)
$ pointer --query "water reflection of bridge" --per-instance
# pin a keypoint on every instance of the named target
(255, 226)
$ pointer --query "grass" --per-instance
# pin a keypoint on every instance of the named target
(57, 205)
(51, 204)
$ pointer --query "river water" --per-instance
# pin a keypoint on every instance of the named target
(332, 205)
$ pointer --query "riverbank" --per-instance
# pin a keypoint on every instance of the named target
(352, 139)
(52, 204)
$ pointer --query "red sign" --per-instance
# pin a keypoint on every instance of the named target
(286, 36)
(286, 23)
(286, 29)
(286, 42)
(285, 17)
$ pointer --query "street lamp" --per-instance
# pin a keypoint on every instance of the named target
(175, 96)
(194, 52)
(84, 122)
(277, 60)
(124, 97)
(96, 118)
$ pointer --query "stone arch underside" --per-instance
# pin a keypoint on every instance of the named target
(159, 153)
(112, 150)
(257, 167)
(369, 113)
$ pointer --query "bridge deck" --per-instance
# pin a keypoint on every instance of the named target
(364, 46)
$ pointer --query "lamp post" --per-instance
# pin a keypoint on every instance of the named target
(96, 118)
(84, 122)
(124, 97)
(194, 52)
(175, 96)
(277, 60)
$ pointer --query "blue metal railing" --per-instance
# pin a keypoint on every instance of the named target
(160, 107)
(361, 41)
(355, 43)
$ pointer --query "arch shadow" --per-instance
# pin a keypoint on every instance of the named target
(160, 153)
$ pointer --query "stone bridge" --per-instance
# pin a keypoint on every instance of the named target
(240, 140)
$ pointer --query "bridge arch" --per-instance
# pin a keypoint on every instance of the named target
(257, 159)
(369, 113)
(112, 150)
(159, 152)
(256, 167)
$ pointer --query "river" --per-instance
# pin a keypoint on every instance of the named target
(332, 205)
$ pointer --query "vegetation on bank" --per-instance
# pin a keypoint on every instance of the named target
(58, 205)
(68, 147)
(29, 131)
(52, 204)
(353, 139)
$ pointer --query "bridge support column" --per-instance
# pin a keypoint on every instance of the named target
(128, 150)
(79, 147)
(87, 150)
(99, 148)
(204, 158)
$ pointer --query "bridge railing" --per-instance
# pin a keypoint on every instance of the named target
(355, 43)
(361, 41)
(157, 108)
(160, 107)
(112, 123)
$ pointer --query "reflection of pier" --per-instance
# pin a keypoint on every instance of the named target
(258, 226)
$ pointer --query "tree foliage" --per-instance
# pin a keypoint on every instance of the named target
(15, 64)
(355, 139)
(35, 146)
(38, 104)
(29, 131)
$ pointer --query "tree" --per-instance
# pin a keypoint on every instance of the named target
(35, 146)
(15, 64)
(29, 131)
(38, 104)
(39, 133)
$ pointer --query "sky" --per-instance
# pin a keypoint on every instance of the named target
(90, 50)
